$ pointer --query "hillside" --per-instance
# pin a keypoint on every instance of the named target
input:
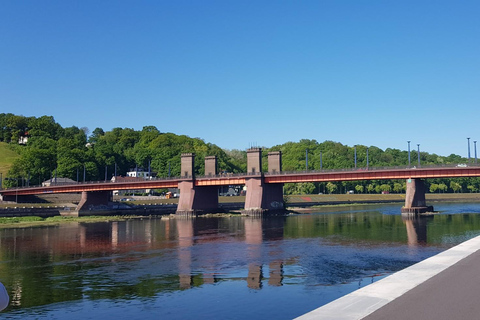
(7, 157)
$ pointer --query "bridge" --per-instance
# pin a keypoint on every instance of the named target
(264, 189)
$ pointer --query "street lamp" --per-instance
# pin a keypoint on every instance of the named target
(321, 164)
(306, 159)
(418, 152)
(367, 158)
(408, 154)
(355, 157)
(468, 141)
(475, 148)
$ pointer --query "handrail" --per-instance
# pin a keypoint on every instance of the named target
(231, 175)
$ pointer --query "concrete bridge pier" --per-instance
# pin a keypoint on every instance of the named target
(194, 199)
(415, 198)
(92, 199)
(263, 198)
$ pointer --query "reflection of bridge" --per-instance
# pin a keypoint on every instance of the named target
(265, 189)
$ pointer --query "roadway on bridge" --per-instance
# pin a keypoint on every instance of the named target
(442, 287)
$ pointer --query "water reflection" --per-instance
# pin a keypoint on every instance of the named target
(146, 259)
(416, 230)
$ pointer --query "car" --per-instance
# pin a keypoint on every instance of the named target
(462, 165)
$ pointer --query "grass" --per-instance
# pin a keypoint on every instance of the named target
(7, 156)
(14, 222)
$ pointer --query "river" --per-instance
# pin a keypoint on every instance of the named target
(217, 268)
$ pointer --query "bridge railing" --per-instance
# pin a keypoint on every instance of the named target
(230, 175)
(412, 167)
(75, 183)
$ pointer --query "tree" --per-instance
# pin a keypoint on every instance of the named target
(434, 187)
(385, 187)
(331, 187)
(455, 186)
(370, 188)
(472, 188)
(359, 188)
(398, 187)
(442, 187)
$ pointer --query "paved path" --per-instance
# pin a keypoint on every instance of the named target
(445, 286)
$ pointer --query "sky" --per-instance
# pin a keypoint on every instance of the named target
(250, 73)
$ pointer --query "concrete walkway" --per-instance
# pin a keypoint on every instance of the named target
(445, 286)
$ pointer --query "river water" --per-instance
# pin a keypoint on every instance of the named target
(217, 268)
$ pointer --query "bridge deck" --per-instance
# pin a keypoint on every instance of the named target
(284, 177)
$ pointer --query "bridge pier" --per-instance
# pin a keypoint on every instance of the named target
(415, 198)
(194, 199)
(263, 198)
(92, 199)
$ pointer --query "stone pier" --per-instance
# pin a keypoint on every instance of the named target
(194, 199)
(415, 198)
(263, 198)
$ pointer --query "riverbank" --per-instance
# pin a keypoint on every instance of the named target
(35, 214)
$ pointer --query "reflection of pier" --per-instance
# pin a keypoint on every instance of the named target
(185, 242)
(256, 231)
(416, 230)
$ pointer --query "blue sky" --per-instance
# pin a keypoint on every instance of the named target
(237, 73)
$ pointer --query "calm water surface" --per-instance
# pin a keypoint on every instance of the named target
(217, 268)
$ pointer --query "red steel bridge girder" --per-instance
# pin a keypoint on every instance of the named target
(294, 177)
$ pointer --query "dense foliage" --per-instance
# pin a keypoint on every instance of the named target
(69, 152)
(333, 155)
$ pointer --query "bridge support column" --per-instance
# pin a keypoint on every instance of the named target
(415, 198)
(92, 199)
(194, 199)
(263, 198)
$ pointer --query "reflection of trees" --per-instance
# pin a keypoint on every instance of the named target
(125, 259)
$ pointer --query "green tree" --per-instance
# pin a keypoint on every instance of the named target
(442, 187)
(331, 187)
(455, 186)
(359, 188)
(370, 188)
(398, 187)
(472, 188)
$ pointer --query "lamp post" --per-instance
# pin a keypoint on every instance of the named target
(468, 141)
(475, 148)
(418, 152)
(321, 164)
(408, 154)
(367, 158)
(355, 156)
(84, 173)
(306, 159)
